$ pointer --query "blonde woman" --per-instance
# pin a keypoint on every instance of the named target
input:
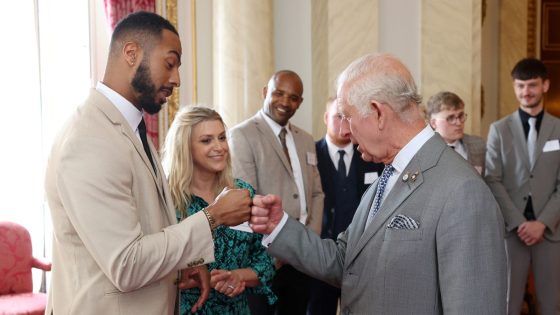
(198, 164)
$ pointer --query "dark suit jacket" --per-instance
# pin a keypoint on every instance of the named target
(332, 217)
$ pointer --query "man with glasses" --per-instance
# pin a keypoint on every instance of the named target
(446, 114)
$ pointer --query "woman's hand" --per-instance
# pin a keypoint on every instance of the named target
(227, 282)
(196, 277)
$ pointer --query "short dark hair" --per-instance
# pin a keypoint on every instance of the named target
(442, 101)
(529, 68)
(141, 26)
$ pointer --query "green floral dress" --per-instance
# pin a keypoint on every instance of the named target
(233, 250)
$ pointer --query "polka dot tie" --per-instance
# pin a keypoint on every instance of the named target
(387, 172)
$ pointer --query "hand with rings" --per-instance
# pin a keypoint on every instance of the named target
(227, 282)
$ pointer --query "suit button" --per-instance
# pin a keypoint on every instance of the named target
(531, 176)
(525, 198)
(332, 210)
(296, 196)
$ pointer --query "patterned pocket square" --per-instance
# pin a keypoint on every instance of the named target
(402, 222)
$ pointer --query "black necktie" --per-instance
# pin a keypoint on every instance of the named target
(341, 165)
(142, 132)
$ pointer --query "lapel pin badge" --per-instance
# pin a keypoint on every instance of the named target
(405, 177)
(413, 176)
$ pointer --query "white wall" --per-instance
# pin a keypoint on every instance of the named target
(399, 24)
(399, 32)
(292, 50)
(204, 52)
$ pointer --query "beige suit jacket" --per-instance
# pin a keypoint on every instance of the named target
(116, 245)
(258, 158)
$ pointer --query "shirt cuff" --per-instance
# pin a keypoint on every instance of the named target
(268, 239)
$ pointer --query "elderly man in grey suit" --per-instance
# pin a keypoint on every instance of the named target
(446, 114)
(426, 236)
(523, 172)
(277, 157)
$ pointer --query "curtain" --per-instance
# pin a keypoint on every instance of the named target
(115, 10)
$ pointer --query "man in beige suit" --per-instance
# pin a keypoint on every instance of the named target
(277, 157)
(117, 247)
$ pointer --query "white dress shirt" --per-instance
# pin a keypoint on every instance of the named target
(294, 160)
(459, 147)
(333, 153)
(131, 114)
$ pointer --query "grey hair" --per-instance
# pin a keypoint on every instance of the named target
(383, 78)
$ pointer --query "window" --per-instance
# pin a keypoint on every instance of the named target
(45, 62)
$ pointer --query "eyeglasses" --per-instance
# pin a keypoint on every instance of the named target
(452, 119)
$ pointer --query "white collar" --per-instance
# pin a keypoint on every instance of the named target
(333, 148)
(406, 154)
(455, 144)
(274, 125)
(131, 114)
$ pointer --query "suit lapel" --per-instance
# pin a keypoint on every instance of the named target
(118, 120)
(326, 168)
(302, 156)
(324, 148)
(425, 158)
(269, 135)
(163, 189)
(544, 133)
(467, 144)
(519, 139)
(357, 165)
(358, 223)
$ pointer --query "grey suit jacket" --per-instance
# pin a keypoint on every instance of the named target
(511, 179)
(258, 158)
(453, 263)
(476, 152)
(116, 245)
